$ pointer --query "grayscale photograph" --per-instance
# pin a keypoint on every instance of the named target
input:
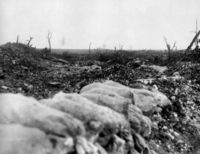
(99, 76)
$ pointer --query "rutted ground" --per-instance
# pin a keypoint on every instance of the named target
(156, 122)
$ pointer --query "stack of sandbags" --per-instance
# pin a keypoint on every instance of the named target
(134, 104)
(120, 99)
(148, 101)
(19, 109)
(104, 118)
(85, 110)
(100, 121)
(59, 131)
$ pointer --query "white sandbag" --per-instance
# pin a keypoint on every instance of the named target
(120, 90)
(149, 101)
(85, 110)
(115, 102)
(138, 122)
(19, 109)
(103, 91)
(140, 144)
(17, 139)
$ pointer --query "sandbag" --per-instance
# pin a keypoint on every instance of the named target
(85, 110)
(149, 101)
(140, 144)
(17, 139)
(115, 102)
(140, 123)
(19, 109)
(120, 90)
(135, 115)
(103, 91)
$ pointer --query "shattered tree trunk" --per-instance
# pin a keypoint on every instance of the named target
(29, 41)
(169, 49)
(17, 41)
(49, 36)
(194, 39)
(49, 42)
(90, 49)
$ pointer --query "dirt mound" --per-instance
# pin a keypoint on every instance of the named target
(14, 56)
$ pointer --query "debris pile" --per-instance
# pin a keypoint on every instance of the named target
(178, 127)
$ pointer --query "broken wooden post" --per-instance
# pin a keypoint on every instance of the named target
(29, 41)
(193, 40)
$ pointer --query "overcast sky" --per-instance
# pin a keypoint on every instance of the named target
(135, 24)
